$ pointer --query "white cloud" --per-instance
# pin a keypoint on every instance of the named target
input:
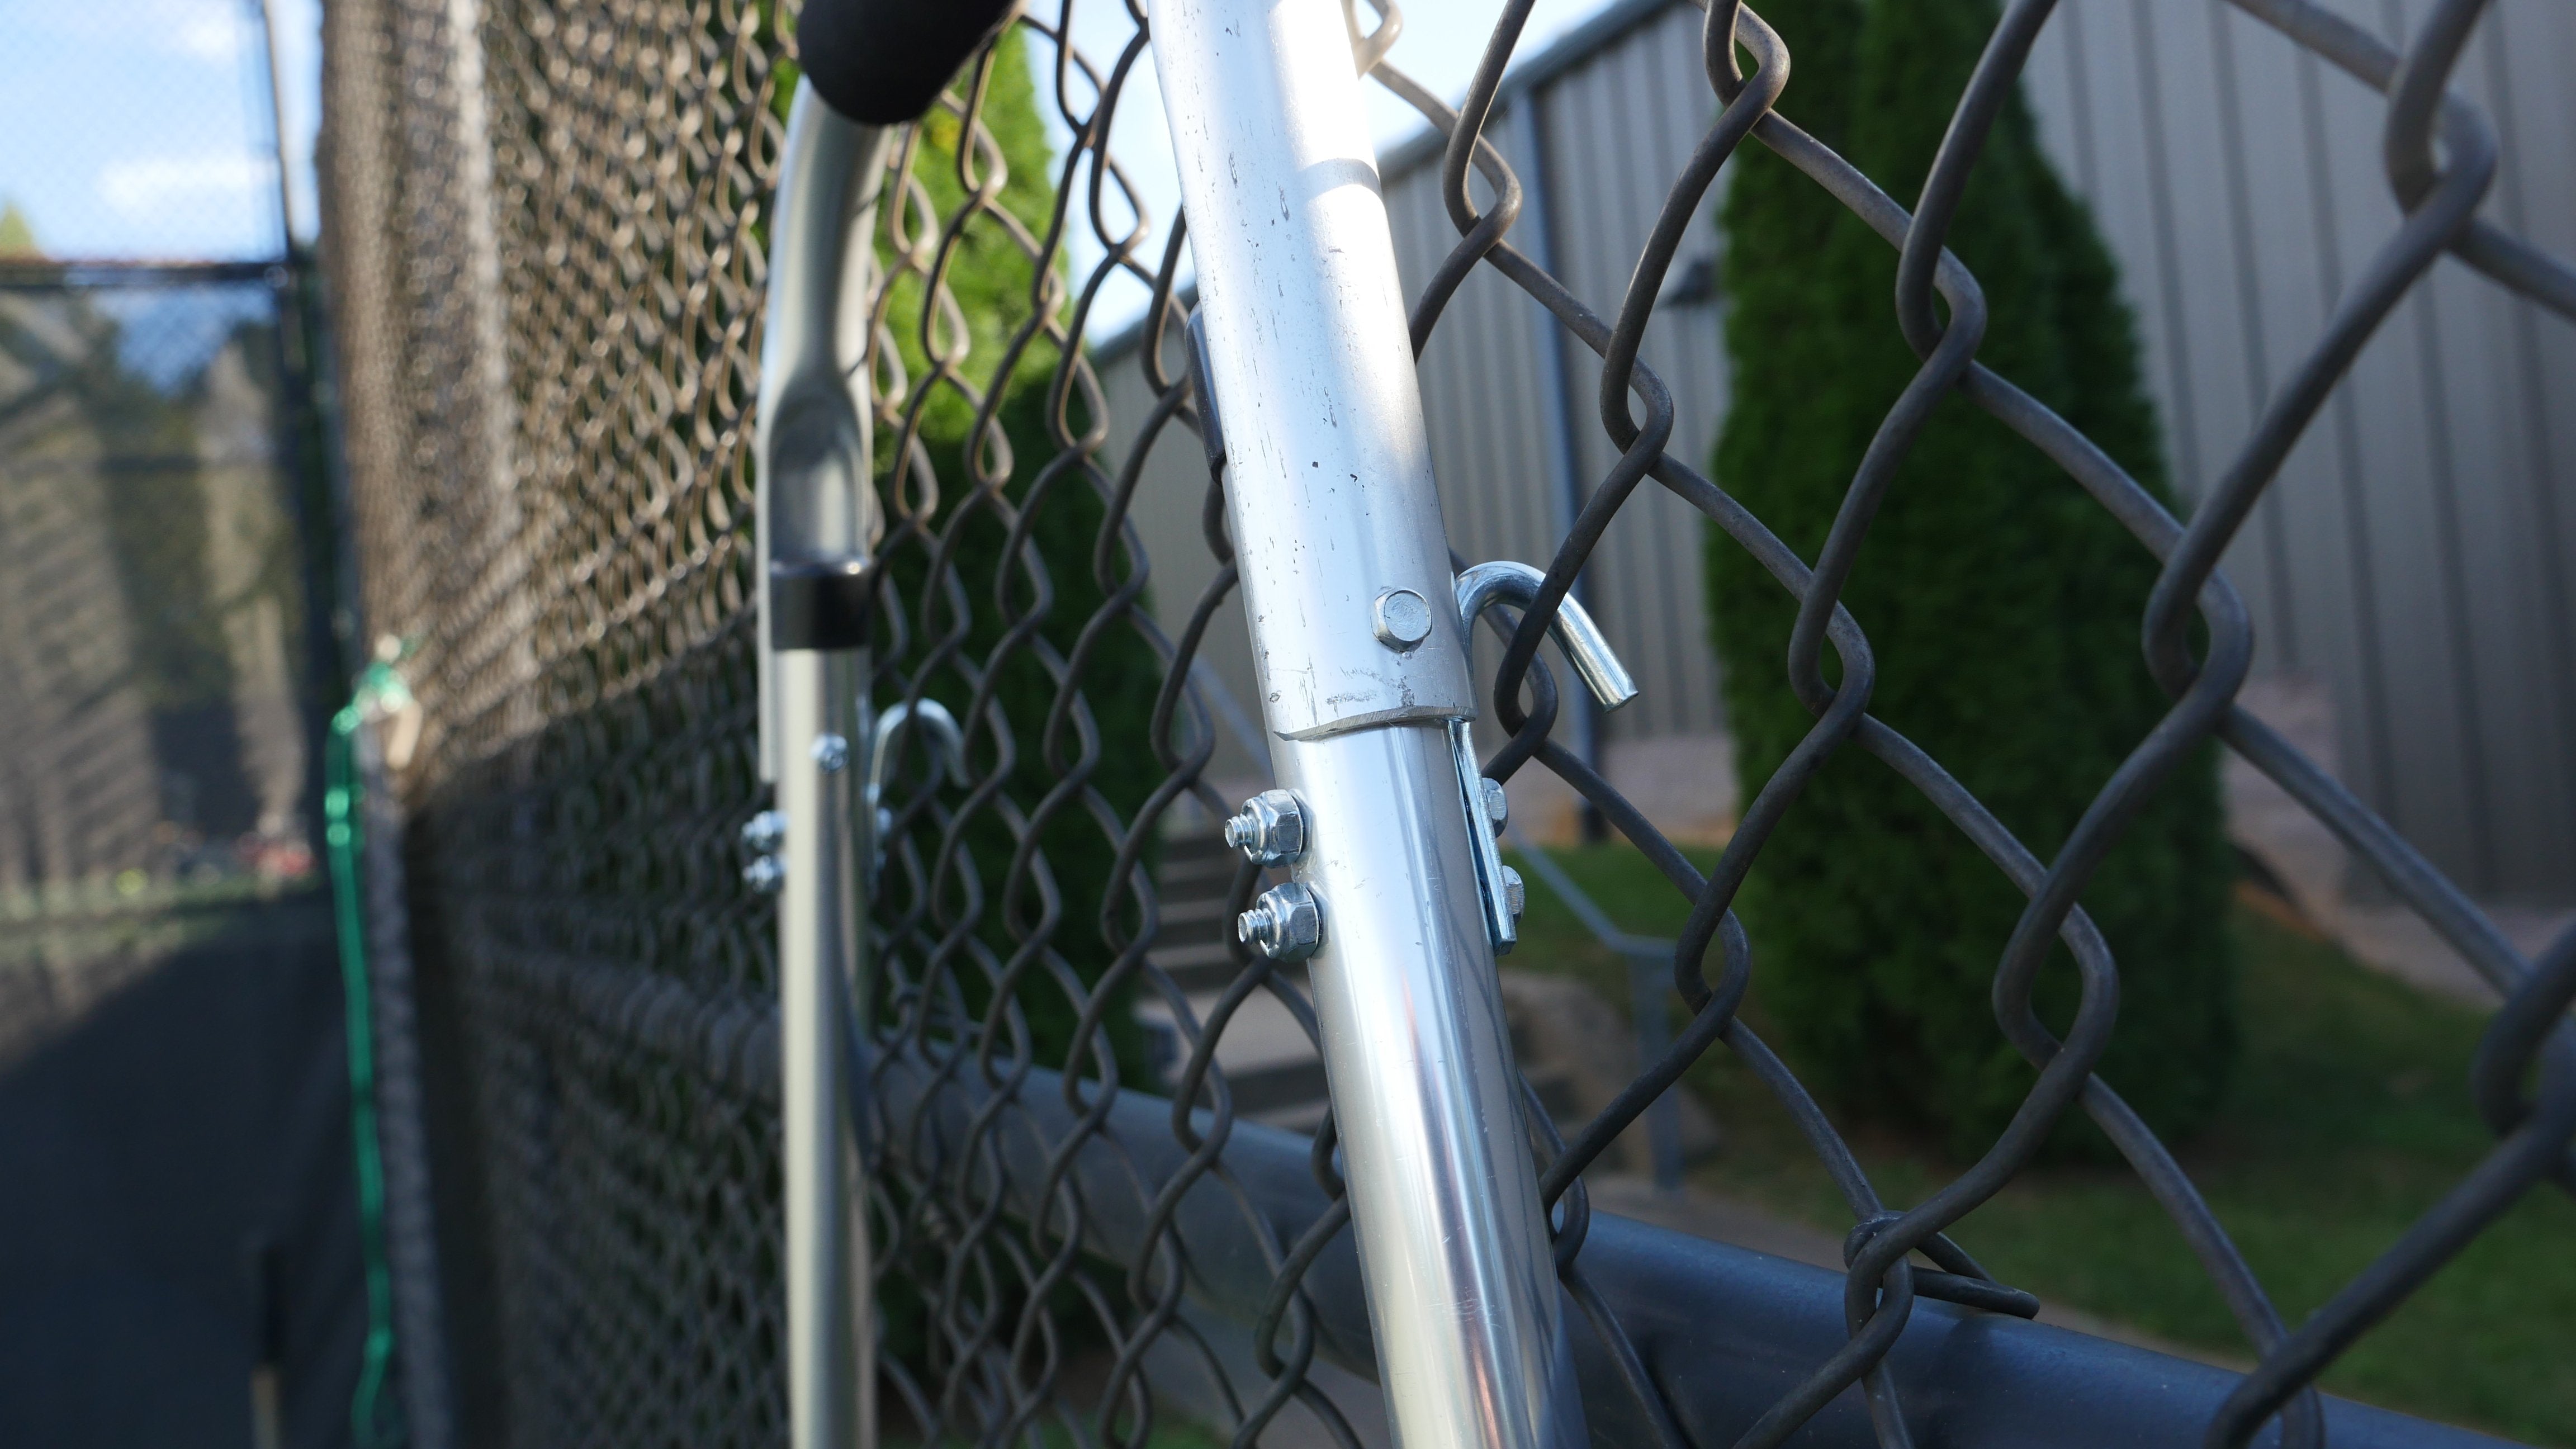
(212, 33)
(140, 186)
(217, 32)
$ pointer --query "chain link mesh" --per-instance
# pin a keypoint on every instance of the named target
(547, 242)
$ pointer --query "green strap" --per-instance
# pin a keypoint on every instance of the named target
(379, 685)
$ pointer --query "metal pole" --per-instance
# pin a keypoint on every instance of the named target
(1337, 530)
(280, 144)
(816, 520)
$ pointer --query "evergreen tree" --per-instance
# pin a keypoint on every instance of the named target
(2000, 601)
(17, 234)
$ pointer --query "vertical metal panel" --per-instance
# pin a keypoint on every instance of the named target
(2408, 559)
(1611, 173)
(2418, 554)
(1167, 514)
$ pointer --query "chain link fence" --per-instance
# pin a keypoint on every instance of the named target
(547, 258)
(154, 666)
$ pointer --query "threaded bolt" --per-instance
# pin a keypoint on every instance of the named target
(1270, 828)
(1402, 619)
(1498, 806)
(832, 752)
(766, 876)
(762, 833)
(1285, 924)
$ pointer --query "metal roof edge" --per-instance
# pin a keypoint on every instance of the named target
(1562, 54)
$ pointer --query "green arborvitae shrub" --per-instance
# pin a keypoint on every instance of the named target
(2001, 602)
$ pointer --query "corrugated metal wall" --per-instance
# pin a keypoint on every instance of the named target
(2414, 555)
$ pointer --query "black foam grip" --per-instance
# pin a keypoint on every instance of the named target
(818, 604)
(882, 62)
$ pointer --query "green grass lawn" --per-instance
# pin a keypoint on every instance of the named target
(2348, 1115)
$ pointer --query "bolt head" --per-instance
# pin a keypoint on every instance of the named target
(1515, 894)
(1402, 618)
(1270, 828)
(763, 833)
(1498, 806)
(1286, 924)
(832, 752)
(766, 876)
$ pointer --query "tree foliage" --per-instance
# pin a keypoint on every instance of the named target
(1031, 550)
(2001, 604)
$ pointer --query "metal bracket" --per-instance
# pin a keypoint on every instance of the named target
(1505, 581)
(1478, 589)
(1203, 393)
(947, 741)
(1502, 921)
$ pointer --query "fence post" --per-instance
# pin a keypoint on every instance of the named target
(1347, 586)
(816, 523)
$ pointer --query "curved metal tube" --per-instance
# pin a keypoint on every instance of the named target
(816, 517)
(1505, 581)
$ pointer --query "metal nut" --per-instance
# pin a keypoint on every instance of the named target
(1515, 894)
(766, 876)
(762, 833)
(1403, 619)
(1270, 828)
(1286, 924)
(1498, 806)
(832, 752)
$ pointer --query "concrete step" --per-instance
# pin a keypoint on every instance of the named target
(1271, 1070)
(1199, 874)
(1270, 1067)
(1194, 920)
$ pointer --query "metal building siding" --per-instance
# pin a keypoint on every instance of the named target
(1166, 512)
(2415, 553)
(1616, 128)
(1485, 378)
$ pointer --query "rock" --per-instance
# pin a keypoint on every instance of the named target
(1579, 1054)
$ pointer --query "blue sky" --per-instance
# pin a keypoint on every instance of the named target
(1441, 42)
(138, 128)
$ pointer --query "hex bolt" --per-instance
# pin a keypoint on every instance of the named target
(766, 876)
(1498, 806)
(832, 752)
(1515, 894)
(1270, 828)
(762, 833)
(1285, 924)
(1403, 619)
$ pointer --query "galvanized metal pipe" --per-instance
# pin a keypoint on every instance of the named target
(1335, 517)
(827, 1267)
(815, 522)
